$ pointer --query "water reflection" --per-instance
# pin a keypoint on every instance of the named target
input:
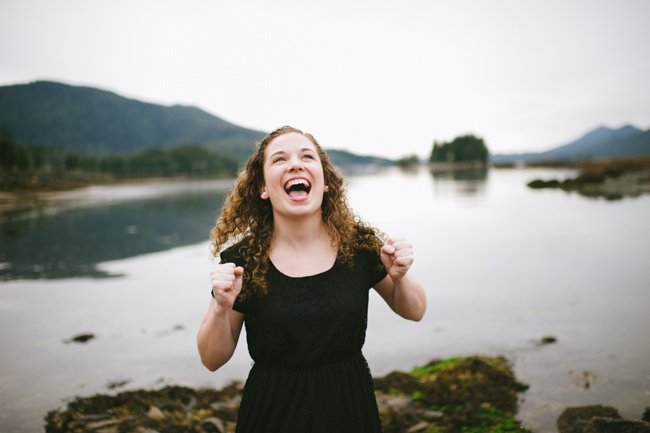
(71, 243)
(465, 182)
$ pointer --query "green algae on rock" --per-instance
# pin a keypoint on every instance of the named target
(474, 394)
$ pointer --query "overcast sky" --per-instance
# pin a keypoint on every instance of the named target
(374, 77)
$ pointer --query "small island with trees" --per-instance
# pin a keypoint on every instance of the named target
(463, 149)
(463, 152)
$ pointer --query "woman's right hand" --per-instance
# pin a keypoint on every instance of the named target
(226, 283)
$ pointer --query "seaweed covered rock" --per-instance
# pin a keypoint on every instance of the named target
(597, 418)
(609, 425)
(471, 394)
(574, 419)
(171, 409)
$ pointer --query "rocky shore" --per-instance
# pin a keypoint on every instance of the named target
(611, 179)
(476, 394)
(469, 395)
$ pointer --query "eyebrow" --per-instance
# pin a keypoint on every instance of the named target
(279, 152)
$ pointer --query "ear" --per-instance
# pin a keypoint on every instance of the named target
(263, 192)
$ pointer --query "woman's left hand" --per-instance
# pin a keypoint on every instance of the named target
(397, 256)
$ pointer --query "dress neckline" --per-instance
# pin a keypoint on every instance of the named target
(320, 274)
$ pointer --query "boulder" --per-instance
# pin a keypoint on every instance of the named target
(418, 427)
(574, 419)
(549, 339)
(431, 415)
(108, 430)
(101, 424)
(93, 417)
(213, 425)
(228, 405)
(191, 405)
(81, 338)
(155, 413)
(397, 404)
(171, 406)
(141, 429)
(609, 425)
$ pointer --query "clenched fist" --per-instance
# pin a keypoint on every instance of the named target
(397, 257)
(226, 283)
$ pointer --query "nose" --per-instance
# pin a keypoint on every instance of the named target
(295, 165)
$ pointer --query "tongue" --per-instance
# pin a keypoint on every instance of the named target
(298, 194)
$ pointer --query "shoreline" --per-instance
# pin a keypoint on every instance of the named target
(39, 193)
(612, 179)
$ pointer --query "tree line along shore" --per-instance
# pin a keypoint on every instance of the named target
(42, 168)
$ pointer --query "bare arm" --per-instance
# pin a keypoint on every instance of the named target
(402, 292)
(218, 336)
(221, 326)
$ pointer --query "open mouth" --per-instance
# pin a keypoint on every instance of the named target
(297, 188)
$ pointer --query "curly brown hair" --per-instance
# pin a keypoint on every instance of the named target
(247, 220)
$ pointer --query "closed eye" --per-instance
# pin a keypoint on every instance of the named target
(278, 159)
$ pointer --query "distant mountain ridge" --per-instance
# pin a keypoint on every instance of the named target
(627, 141)
(91, 121)
(343, 158)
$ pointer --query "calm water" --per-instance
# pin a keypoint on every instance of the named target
(502, 265)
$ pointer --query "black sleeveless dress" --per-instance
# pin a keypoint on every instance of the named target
(305, 337)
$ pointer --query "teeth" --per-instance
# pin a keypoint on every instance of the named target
(296, 182)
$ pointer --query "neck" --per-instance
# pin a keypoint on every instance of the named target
(302, 247)
(298, 232)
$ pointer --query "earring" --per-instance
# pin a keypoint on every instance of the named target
(327, 188)
(264, 195)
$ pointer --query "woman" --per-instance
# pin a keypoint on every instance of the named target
(298, 275)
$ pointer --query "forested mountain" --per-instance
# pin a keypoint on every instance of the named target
(627, 141)
(343, 158)
(90, 121)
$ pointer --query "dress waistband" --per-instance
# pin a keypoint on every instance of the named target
(352, 360)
